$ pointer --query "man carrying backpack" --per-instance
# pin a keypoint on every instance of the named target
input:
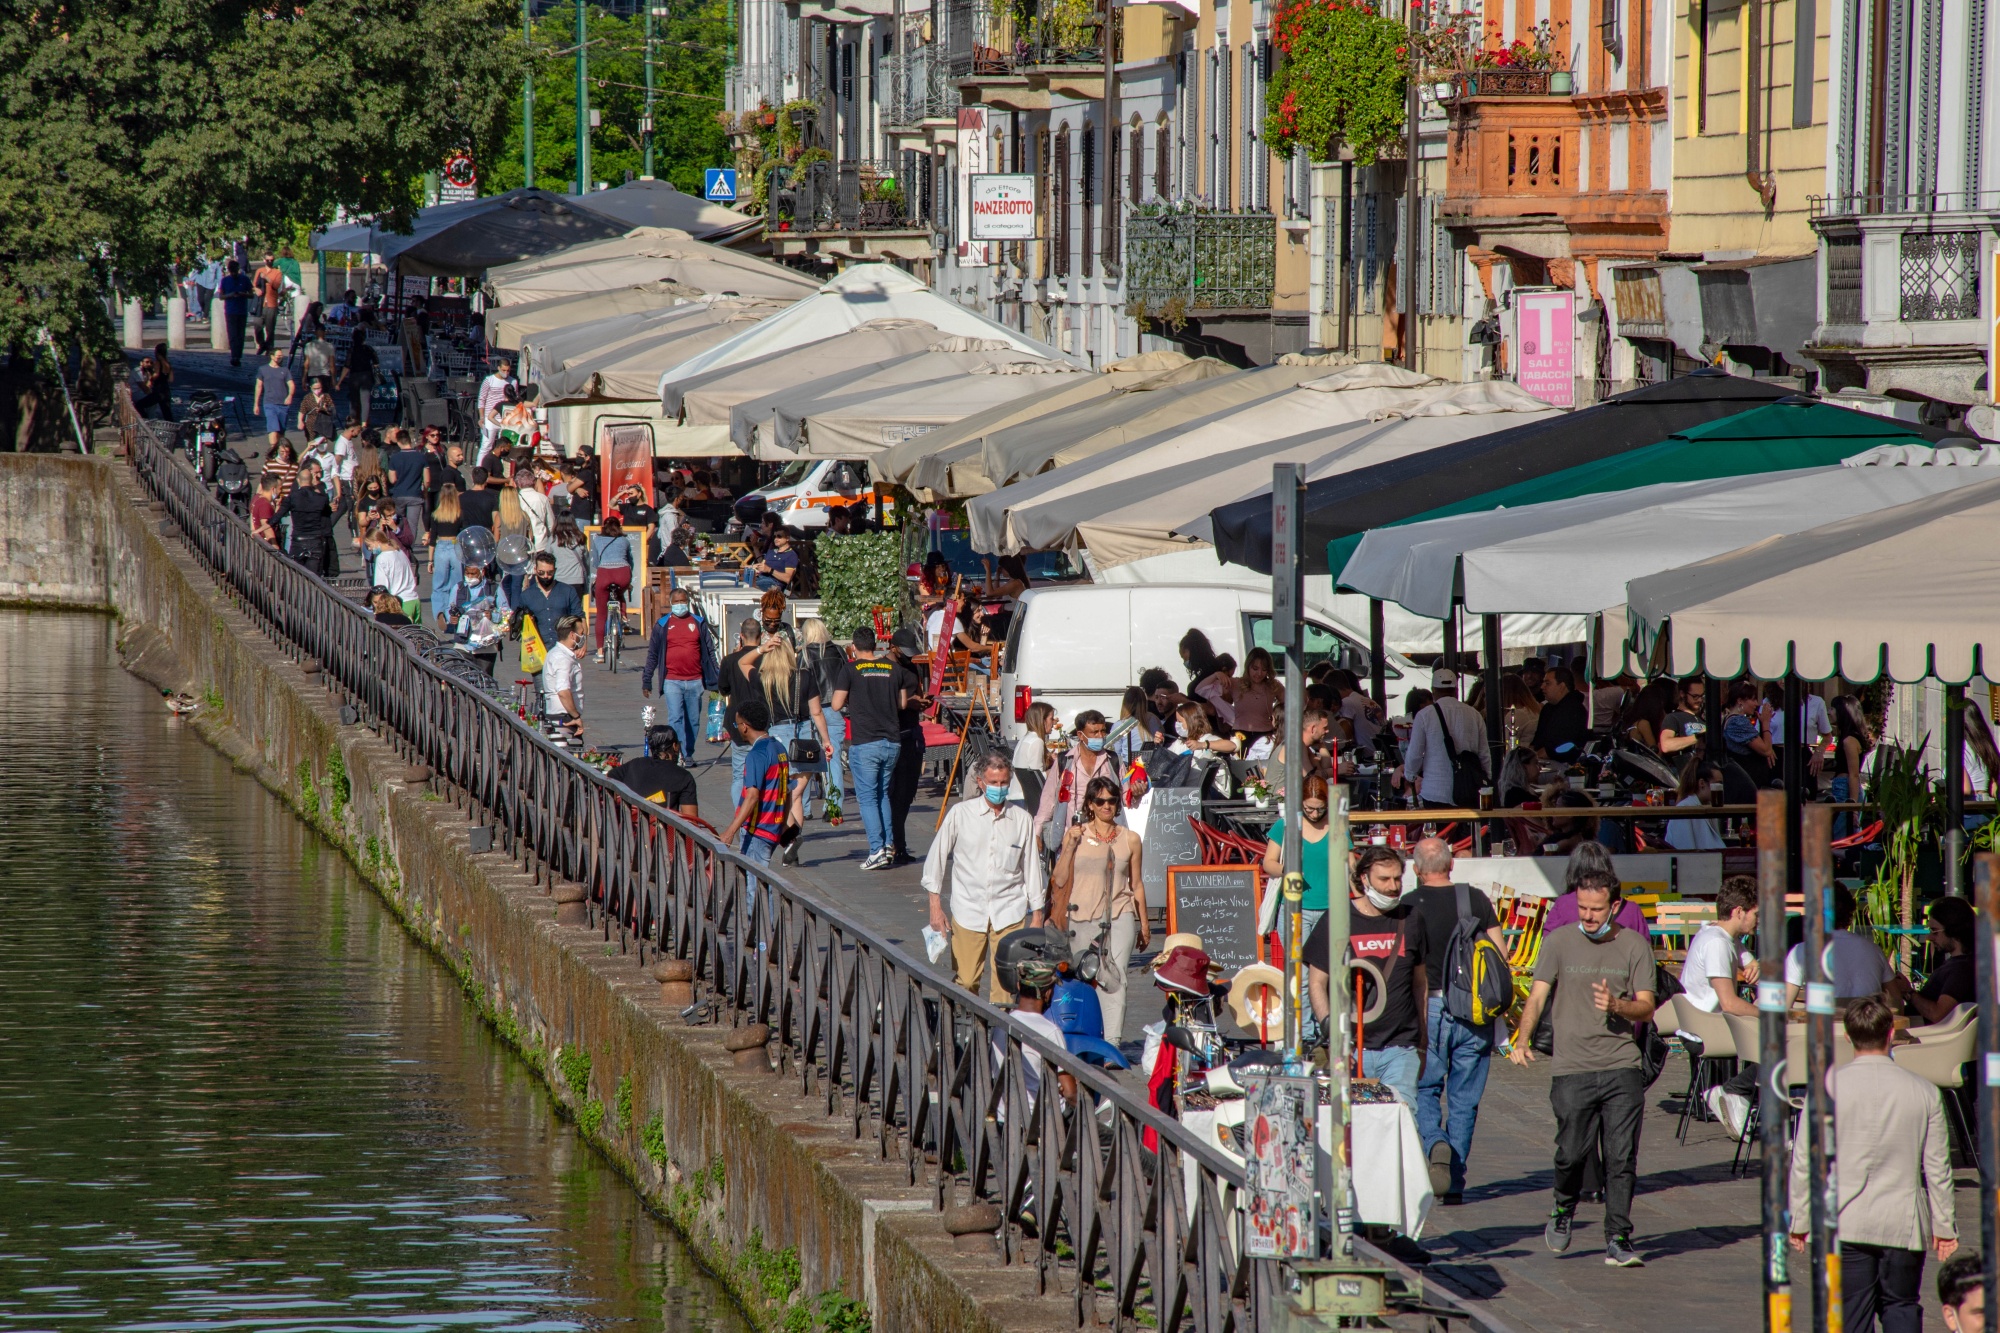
(681, 655)
(1471, 983)
(1446, 758)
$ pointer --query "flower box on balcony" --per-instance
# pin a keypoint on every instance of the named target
(1504, 83)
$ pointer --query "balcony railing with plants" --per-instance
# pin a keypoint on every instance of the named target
(819, 194)
(1013, 35)
(1452, 57)
(1179, 262)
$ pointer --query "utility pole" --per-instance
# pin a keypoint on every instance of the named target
(646, 125)
(528, 97)
(582, 102)
(1412, 206)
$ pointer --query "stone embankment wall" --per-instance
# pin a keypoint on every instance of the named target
(803, 1223)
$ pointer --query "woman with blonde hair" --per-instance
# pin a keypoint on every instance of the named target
(827, 665)
(771, 668)
(447, 571)
(509, 519)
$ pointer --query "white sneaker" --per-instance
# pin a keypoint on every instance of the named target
(879, 859)
(1731, 1108)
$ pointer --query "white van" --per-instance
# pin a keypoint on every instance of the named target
(1080, 647)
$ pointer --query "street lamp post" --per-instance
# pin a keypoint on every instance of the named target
(528, 97)
(647, 125)
(582, 102)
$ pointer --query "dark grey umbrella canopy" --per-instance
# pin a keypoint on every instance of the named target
(465, 239)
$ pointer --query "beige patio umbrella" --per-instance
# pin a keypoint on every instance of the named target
(862, 416)
(1904, 592)
(900, 462)
(712, 394)
(708, 269)
(1091, 428)
(543, 354)
(507, 326)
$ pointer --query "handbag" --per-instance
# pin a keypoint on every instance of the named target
(806, 754)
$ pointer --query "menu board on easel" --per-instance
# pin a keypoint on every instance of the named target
(1220, 904)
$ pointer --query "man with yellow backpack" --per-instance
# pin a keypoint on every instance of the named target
(542, 605)
(1470, 987)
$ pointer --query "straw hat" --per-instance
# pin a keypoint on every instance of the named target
(1255, 997)
(1173, 942)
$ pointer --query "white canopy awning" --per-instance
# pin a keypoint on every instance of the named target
(714, 394)
(628, 369)
(507, 326)
(1501, 560)
(856, 417)
(648, 255)
(860, 295)
(1904, 592)
(1202, 461)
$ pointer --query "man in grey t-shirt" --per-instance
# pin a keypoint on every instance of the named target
(1596, 981)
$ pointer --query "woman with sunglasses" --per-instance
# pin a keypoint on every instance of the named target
(1313, 828)
(1096, 894)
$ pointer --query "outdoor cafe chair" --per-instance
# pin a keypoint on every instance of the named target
(1711, 1049)
(1942, 1060)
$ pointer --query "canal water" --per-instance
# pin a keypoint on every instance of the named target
(233, 1094)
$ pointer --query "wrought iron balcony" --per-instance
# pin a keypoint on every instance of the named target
(923, 87)
(851, 195)
(1019, 35)
(1182, 263)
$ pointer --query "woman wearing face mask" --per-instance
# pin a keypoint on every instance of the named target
(771, 613)
(477, 611)
(1313, 828)
(1097, 895)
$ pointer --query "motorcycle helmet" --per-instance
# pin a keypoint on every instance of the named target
(1036, 942)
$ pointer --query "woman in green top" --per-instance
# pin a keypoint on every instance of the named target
(1313, 828)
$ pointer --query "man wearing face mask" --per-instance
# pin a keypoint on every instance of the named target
(1387, 947)
(477, 611)
(546, 601)
(1601, 977)
(681, 656)
(1089, 757)
(986, 848)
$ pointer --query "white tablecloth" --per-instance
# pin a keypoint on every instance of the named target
(1392, 1182)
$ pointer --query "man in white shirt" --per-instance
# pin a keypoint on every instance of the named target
(998, 884)
(1818, 727)
(1859, 966)
(492, 393)
(1427, 760)
(536, 508)
(562, 676)
(1363, 716)
(1715, 958)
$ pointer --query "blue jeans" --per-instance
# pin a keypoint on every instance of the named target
(759, 851)
(737, 754)
(1461, 1056)
(447, 570)
(682, 700)
(874, 764)
(836, 731)
(1395, 1066)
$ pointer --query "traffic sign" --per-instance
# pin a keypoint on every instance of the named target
(721, 185)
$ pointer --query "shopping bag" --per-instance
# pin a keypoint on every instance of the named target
(532, 650)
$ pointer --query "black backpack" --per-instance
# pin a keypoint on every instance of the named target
(1466, 778)
(1478, 985)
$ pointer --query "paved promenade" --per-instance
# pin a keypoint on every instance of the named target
(1696, 1227)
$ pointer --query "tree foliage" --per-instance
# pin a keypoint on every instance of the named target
(1340, 79)
(134, 135)
(690, 53)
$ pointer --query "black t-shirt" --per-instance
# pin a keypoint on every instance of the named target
(477, 509)
(1438, 905)
(794, 705)
(661, 781)
(1394, 942)
(830, 669)
(1678, 722)
(440, 473)
(734, 689)
(1563, 723)
(871, 699)
(1957, 977)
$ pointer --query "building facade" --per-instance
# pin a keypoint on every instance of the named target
(1909, 219)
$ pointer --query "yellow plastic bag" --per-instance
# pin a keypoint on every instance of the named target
(532, 650)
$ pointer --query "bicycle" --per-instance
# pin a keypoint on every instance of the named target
(614, 626)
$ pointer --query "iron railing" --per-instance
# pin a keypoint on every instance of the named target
(849, 195)
(1184, 262)
(1106, 1197)
(1877, 203)
(923, 88)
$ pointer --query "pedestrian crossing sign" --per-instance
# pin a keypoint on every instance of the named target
(721, 185)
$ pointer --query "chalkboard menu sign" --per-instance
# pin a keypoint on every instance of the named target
(1170, 837)
(1218, 903)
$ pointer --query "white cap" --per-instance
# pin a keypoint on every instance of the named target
(1444, 678)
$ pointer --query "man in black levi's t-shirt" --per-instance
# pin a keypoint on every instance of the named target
(1386, 948)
